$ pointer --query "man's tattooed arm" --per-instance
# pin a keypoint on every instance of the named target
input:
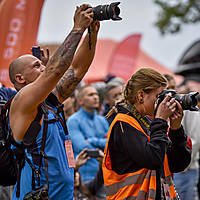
(63, 57)
(66, 85)
(81, 62)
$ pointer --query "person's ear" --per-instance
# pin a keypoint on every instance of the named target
(140, 96)
(19, 78)
(80, 101)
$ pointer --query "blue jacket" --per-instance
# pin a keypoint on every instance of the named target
(84, 126)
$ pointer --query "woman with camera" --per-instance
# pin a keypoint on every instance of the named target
(140, 154)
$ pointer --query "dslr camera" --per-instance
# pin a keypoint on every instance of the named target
(106, 12)
(187, 101)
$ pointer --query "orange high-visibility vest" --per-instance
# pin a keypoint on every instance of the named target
(139, 185)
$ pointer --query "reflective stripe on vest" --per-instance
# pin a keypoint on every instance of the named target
(136, 185)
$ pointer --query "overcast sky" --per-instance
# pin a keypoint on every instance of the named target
(138, 17)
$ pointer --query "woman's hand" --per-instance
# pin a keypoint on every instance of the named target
(166, 108)
(176, 117)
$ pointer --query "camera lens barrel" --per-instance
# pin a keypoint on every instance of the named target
(188, 101)
(107, 12)
(101, 12)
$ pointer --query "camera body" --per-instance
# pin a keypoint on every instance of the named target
(106, 12)
(187, 101)
(93, 153)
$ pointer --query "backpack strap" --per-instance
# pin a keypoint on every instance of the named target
(59, 109)
(44, 137)
(62, 120)
(19, 154)
(33, 129)
(32, 133)
(28, 141)
(53, 100)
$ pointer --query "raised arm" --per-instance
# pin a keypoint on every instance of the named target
(80, 65)
(25, 104)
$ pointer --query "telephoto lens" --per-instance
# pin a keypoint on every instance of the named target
(188, 101)
(107, 12)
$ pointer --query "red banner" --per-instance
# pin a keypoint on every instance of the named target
(19, 21)
(123, 60)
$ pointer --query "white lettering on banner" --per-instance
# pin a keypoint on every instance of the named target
(15, 25)
(8, 53)
(21, 5)
(11, 39)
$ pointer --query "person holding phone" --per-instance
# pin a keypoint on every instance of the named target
(88, 190)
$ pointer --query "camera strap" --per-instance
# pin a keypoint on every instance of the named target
(68, 143)
(59, 109)
(143, 119)
(90, 42)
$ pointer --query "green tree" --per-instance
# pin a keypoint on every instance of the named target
(175, 13)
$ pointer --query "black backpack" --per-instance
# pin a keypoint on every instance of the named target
(8, 167)
(12, 160)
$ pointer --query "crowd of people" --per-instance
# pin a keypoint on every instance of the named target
(121, 142)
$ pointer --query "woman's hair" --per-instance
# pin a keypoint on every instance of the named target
(146, 79)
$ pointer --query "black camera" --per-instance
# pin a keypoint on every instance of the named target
(187, 101)
(40, 193)
(106, 12)
(36, 52)
(93, 153)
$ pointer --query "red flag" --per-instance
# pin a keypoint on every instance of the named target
(19, 20)
(123, 60)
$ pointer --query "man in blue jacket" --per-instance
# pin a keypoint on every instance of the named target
(87, 129)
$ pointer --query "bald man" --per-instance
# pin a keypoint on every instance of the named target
(35, 82)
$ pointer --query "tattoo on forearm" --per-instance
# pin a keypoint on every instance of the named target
(65, 53)
(67, 84)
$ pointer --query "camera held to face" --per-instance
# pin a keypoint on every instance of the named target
(106, 12)
(187, 101)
